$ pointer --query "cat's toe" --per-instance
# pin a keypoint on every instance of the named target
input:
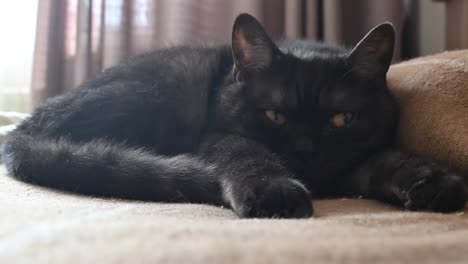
(446, 193)
(284, 199)
(294, 202)
(451, 196)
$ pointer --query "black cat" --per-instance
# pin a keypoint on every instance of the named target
(257, 126)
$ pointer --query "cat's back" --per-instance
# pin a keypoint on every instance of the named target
(145, 101)
(191, 62)
(172, 67)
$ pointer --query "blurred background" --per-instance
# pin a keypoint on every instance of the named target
(50, 46)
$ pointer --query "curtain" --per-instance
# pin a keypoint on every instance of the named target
(75, 39)
(457, 24)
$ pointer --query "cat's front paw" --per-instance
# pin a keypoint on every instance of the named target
(438, 192)
(281, 198)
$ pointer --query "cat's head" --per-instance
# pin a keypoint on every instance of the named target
(319, 108)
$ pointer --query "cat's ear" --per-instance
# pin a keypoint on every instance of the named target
(373, 54)
(252, 48)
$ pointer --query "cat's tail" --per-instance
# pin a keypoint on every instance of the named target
(103, 168)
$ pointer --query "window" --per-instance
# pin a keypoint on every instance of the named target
(17, 28)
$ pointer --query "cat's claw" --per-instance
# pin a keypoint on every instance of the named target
(439, 193)
(285, 198)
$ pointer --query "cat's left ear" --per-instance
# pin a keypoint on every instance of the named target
(372, 56)
(252, 48)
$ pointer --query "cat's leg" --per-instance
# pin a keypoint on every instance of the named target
(410, 181)
(253, 181)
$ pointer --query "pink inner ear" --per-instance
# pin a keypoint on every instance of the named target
(243, 48)
(252, 48)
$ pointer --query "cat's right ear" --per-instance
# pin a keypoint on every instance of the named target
(252, 48)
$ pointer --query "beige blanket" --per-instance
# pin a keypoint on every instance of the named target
(41, 226)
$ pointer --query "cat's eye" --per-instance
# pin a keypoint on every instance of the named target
(341, 119)
(276, 117)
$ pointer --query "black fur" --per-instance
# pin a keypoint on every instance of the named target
(258, 126)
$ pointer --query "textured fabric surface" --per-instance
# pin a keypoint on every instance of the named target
(433, 94)
(42, 226)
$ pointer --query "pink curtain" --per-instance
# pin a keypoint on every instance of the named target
(78, 38)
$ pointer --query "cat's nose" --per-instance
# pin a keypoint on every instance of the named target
(305, 146)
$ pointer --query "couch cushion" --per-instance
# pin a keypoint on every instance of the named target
(433, 94)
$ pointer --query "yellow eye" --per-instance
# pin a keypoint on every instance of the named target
(341, 119)
(276, 117)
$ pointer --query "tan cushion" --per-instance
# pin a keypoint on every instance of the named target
(433, 94)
